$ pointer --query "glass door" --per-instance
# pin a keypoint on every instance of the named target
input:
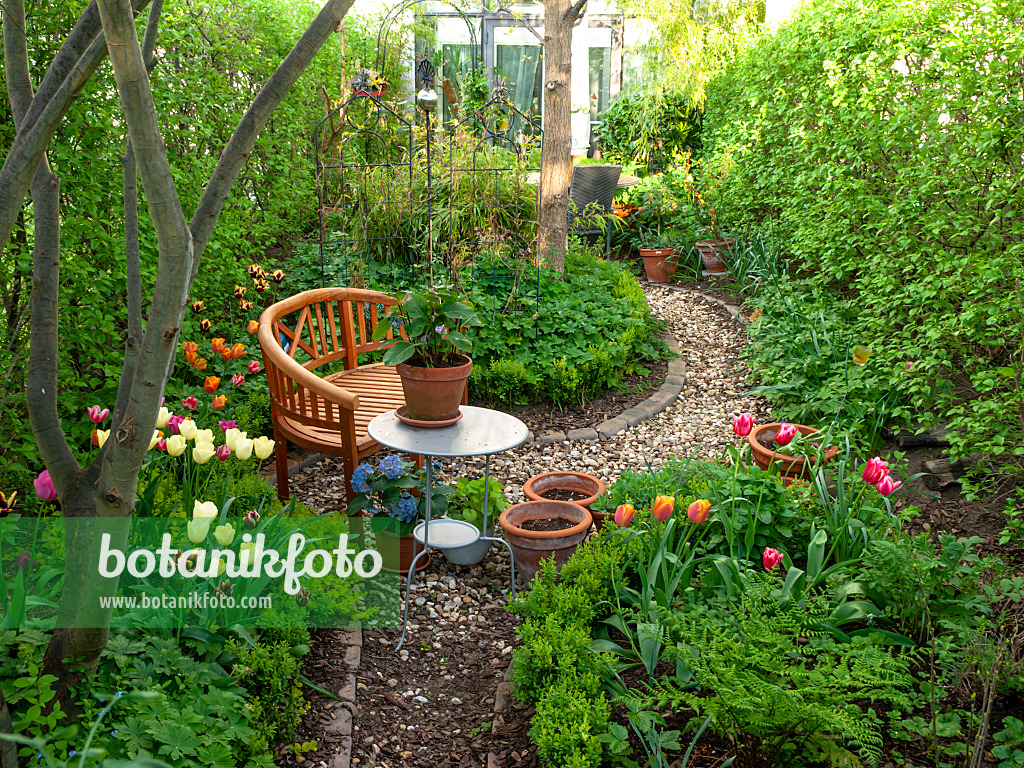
(516, 60)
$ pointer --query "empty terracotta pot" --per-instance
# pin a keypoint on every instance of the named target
(530, 547)
(538, 486)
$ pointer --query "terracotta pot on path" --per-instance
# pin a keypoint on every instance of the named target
(790, 467)
(530, 547)
(711, 255)
(658, 263)
(399, 551)
(581, 483)
(434, 394)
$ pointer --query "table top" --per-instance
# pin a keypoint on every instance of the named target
(479, 432)
(627, 181)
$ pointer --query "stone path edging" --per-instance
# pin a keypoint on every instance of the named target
(340, 725)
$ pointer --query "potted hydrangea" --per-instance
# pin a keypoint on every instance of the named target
(394, 493)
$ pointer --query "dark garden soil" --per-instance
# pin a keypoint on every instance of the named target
(562, 494)
(547, 525)
(545, 418)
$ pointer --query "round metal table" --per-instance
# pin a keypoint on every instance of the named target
(480, 432)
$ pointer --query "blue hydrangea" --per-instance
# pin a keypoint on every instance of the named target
(406, 508)
(391, 467)
(359, 478)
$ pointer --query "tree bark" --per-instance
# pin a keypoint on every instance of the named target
(560, 17)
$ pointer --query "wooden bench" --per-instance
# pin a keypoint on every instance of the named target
(327, 327)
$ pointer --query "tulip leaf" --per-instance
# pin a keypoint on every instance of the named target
(816, 554)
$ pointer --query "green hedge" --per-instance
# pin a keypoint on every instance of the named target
(880, 144)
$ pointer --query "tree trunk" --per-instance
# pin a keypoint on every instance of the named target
(560, 16)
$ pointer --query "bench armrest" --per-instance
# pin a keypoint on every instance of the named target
(275, 357)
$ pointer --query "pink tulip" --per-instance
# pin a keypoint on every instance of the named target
(238, 379)
(742, 424)
(875, 470)
(887, 486)
(662, 509)
(624, 514)
(173, 422)
(45, 489)
(254, 366)
(161, 444)
(225, 425)
(96, 414)
(223, 452)
(786, 433)
(771, 558)
(190, 402)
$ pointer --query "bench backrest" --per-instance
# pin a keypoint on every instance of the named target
(304, 332)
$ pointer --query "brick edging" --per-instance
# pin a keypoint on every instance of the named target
(340, 725)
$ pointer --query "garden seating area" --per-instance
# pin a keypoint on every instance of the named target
(386, 427)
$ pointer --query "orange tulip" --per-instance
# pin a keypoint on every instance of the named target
(252, 327)
(191, 358)
(189, 346)
(662, 509)
(238, 350)
(218, 402)
(624, 514)
(218, 346)
(200, 364)
(698, 511)
(226, 355)
(212, 382)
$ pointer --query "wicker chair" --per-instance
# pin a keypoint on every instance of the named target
(590, 194)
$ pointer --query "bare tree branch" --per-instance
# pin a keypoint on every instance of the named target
(575, 14)
(518, 16)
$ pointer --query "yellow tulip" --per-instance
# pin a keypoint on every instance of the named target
(231, 435)
(188, 429)
(204, 435)
(101, 436)
(243, 448)
(157, 434)
(175, 445)
(245, 555)
(224, 534)
(263, 446)
(197, 530)
(162, 417)
(205, 509)
(203, 452)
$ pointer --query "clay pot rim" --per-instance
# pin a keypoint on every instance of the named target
(799, 461)
(580, 527)
(451, 372)
(533, 481)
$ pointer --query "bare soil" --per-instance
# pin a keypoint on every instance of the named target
(547, 524)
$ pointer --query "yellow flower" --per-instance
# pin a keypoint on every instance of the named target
(231, 435)
(224, 534)
(101, 436)
(243, 448)
(245, 555)
(203, 452)
(204, 435)
(263, 446)
(157, 434)
(187, 428)
(175, 445)
(205, 509)
(197, 530)
(162, 417)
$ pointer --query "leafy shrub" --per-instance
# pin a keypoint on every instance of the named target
(634, 131)
(571, 716)
(859, 137)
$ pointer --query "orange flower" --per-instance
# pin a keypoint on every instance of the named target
(212, 382)
(698, 511)
(225, 355)
(200, 364)
(252, 327)
(662, 509)
(218, 402)
(219, 346)
(238, 350)
(191, 358)
(94, 439)
(190, 347)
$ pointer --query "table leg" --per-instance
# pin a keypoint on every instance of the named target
(426, 545)
(487, 494)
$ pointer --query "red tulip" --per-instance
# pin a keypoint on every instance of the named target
(771, 558)
(223, 452)
(45, 489)
(254, 366)
(887, 486)
(742, 424)
(97, 415)
(698, 511)
(161, 444)
(624, 514)
(238, 380)
(786, 433)
(662, 509)
(189, 402)
(875, 470)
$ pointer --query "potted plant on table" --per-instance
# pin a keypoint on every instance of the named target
(467, 503)
(394, 493)
(430, 356)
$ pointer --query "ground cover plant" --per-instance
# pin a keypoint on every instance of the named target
(888, 174)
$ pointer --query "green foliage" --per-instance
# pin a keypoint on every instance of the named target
(859, 138)
(571, 717)
(1010, 741)
(631, 131)
(467, 503)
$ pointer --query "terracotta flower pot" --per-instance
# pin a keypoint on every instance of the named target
(711, 255)
(577, 482)
(530, 547)
(790, 467)
(658, 263)
(398, 552)
(434, 394)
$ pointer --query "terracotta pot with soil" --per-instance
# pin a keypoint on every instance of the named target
(433, 395)
(762, 444)
(398, 552)
(538, 530)
(576, 487)
(658, 263)
(711, 255)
